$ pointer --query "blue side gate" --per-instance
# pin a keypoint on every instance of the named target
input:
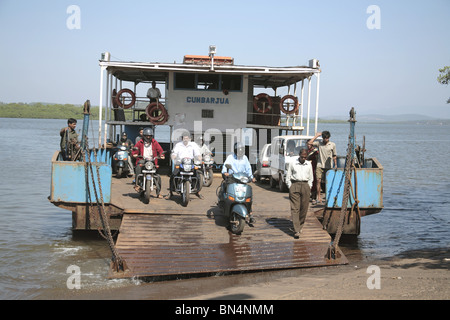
(70, 184)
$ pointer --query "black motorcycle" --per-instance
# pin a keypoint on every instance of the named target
(207, 171)
(148, 180)
(188, 179)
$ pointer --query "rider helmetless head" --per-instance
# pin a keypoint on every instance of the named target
(239, 150)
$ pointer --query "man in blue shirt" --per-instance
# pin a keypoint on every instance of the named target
(239, 163)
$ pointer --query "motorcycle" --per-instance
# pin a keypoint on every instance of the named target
(187, 180)
(120, 163)
(207, 170)
(235, 198)
(148, 179)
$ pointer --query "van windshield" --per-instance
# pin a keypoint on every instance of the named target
(293, 146)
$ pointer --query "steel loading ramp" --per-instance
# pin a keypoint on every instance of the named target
(173, 244)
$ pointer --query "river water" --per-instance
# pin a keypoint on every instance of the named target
(37, 244)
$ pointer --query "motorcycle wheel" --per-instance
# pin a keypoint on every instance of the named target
(119, 173)
(237, 224)
(147, 192)
(208, 178)
(199, 185)
(186, 193)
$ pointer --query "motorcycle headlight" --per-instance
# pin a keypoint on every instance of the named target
(149, 165)
(187, 164)
(207, 158)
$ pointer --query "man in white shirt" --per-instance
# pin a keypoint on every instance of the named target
(185, 149)
(299, 179)
(153, 93)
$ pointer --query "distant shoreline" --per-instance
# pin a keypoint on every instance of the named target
(65, 111)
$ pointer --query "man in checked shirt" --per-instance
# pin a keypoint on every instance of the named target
(299, 179)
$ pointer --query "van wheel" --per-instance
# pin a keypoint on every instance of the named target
(281, 185)
(272, 182)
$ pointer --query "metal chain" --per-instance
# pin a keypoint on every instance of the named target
(333, 252)
(90, 200)
(118, 263)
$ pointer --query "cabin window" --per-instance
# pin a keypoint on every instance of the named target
(207, 113)
(231, 82)
(208, 82)
(185, 80)
(218, 82)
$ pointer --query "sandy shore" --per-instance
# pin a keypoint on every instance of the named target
(413, 275)
(419, 275)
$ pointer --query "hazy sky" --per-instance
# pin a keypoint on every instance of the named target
(390, 70)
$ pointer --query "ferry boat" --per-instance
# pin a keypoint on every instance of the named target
(212, 97)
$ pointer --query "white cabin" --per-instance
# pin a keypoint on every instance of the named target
(208, 94)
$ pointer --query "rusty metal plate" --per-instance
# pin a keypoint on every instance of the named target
(162, 245)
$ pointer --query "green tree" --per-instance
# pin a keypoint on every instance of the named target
(444, 77)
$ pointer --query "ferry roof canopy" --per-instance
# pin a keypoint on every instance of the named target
(267, 77)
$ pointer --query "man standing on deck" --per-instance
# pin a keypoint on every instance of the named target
(299, 179)
(327, 157)
(69, 141)
(154, 94)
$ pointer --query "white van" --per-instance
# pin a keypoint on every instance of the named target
(284, 150)
(263, 163)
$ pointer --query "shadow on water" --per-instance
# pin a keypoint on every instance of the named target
(424, 258)
(90, 235)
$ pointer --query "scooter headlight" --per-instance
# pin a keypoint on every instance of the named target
(121, 155)
(244, 179)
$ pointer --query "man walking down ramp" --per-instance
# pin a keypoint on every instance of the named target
(299, 179)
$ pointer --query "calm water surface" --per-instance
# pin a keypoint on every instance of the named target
(37, 244)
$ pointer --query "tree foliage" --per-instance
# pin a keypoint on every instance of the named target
(44, 111)
(444, 77)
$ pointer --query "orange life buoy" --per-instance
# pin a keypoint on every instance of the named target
(162, 115)
(295, 103)
(257, 100)
(120, 101)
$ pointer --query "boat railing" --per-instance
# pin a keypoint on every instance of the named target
(135, 113)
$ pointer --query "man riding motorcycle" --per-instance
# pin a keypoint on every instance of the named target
(124, 141)
(147, 148)
(184, 149)
(239, 163)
